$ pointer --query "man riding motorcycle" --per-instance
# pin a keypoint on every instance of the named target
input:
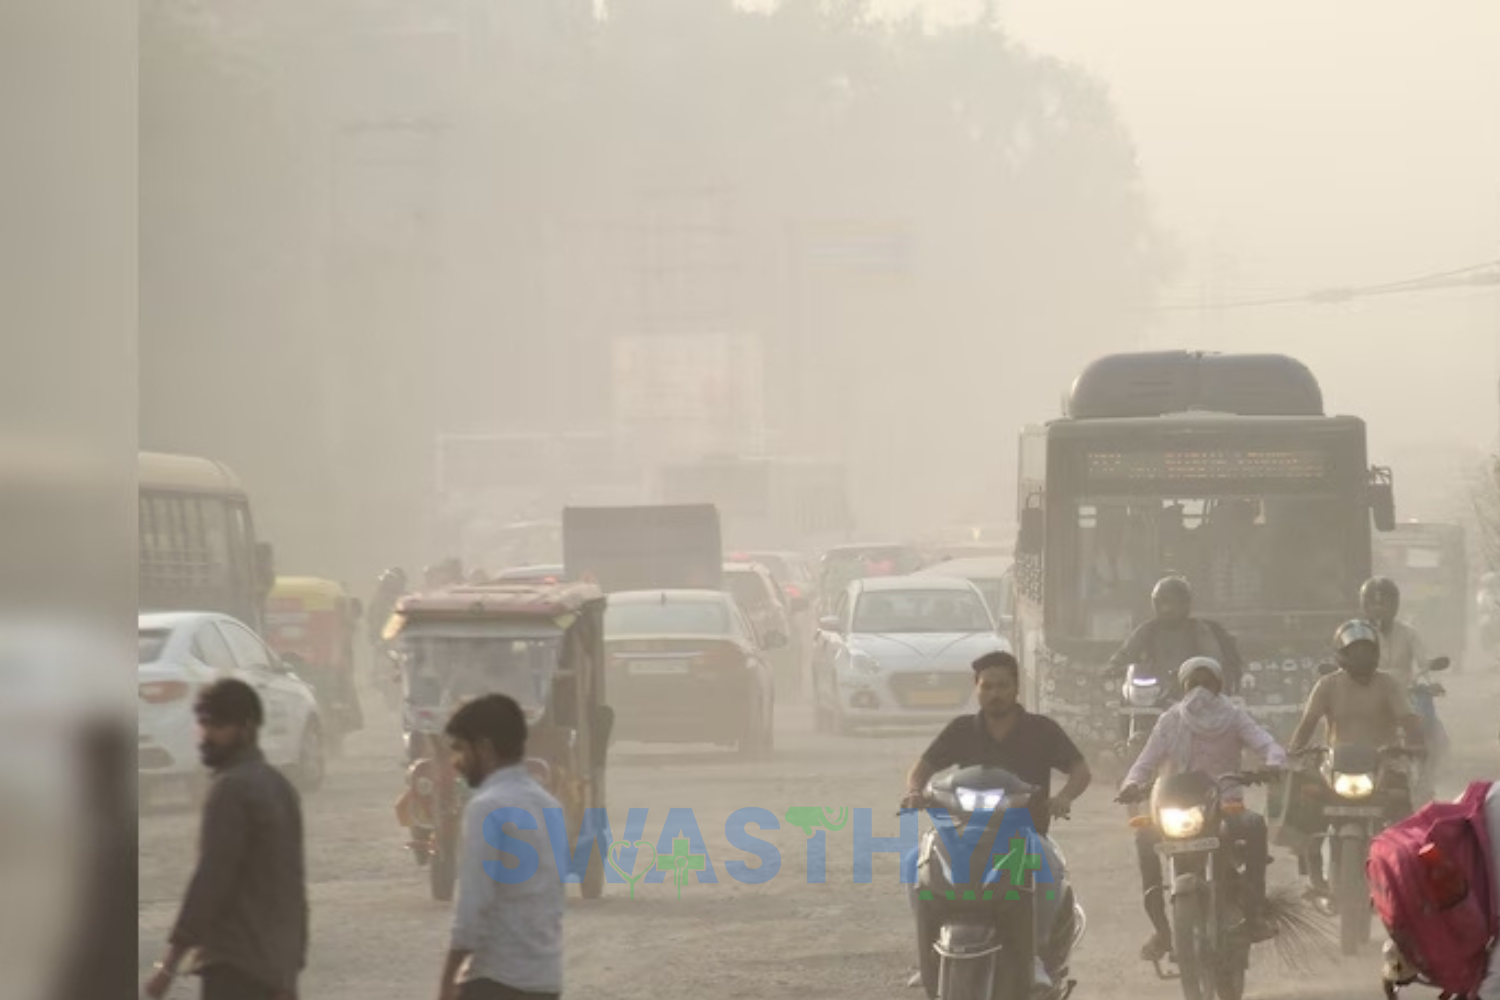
(1401, 651)
(1161, 645)
(1403, 656)
(1206, 732)
(1361, 705)
(1003, 734)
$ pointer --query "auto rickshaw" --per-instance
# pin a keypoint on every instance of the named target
(310, 623)
(541, 644)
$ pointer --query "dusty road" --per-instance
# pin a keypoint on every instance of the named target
(378, 936)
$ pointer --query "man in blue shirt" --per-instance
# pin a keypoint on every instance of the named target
(507, 937)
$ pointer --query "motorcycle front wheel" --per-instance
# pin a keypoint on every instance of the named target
(1353, 896)
(1190, 945)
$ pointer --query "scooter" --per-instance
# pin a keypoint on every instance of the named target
(1424, 692)
(1005, 929)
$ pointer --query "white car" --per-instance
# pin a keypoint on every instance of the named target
(181, 653)
(900, 650)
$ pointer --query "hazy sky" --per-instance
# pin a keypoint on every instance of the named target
(1308, 145)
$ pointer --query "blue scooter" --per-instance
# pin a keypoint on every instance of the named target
(1424, 692)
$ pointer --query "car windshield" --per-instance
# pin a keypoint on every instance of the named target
(921, 611)
(152, 641)
(666, 618)
(443, 671)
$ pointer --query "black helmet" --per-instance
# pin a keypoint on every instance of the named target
(1382, 586)
(1171, 586)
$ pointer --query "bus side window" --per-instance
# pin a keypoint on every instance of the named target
(241, 549)
(215, 541)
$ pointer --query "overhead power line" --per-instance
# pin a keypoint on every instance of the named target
(1475, 275)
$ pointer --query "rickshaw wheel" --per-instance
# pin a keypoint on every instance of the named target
(442, 868)
(593, 875)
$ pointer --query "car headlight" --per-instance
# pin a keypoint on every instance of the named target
(1179, 823)
(1354, 786)
(970, 800)
(863, 663)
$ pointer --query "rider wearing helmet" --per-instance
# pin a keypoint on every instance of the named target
(1361, 705)
(1161, 645)
(1204, 732)
(1401, 653)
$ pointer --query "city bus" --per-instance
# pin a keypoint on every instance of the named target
(1220, 468)
(198, 548)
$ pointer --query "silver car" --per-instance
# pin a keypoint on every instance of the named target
(899, 650)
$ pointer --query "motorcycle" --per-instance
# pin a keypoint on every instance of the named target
(1143, 701)
(1204, 876)
(1360, 790)
(1424, 692)
(987, 936)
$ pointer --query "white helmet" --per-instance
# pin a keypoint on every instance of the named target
(1197, 663)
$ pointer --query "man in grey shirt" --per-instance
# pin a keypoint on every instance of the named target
(507, 925)
(245, 914)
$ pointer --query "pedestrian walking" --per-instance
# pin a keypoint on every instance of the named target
(507, 932)
(243, 926)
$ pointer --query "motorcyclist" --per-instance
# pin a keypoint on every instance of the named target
(1401, 650)
(1162, 644)
(1361, 705)
(1004, 734)
(389, 587)
(1206, 732)
(1403, 656)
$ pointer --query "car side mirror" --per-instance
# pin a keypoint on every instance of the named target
(265, 565)
(1441, 663)
(831, 623)
(289, 663)
(1030, 540)
(1382, 498)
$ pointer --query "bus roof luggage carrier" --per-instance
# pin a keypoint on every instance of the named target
(1157, 383)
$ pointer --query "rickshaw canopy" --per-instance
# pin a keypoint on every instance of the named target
(313, 593)
(555, 604)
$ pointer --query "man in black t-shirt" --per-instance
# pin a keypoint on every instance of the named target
(1003, 734)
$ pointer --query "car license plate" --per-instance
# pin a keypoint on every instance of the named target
(658, 668)
(1363, 812)
(944, 698)
(1187, 846)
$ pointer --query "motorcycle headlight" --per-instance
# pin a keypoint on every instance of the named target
(1354, 786)
(1142, 695)
(971, 800)
(1180, 823)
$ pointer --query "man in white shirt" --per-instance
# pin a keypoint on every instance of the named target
(507, 930)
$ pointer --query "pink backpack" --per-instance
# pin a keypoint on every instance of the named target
(1430, 881)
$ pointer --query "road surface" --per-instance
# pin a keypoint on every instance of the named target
(377, 935)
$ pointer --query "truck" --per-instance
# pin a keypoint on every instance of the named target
(663, 547)
(1222, 468)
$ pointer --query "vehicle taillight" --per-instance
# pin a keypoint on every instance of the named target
(161, 692)
(793, 591)
(1447, 883)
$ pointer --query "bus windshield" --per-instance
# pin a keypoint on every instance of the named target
(1242, 554)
